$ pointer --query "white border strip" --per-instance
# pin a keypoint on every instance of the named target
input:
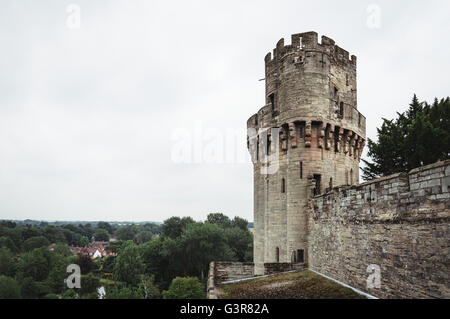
(345, 285)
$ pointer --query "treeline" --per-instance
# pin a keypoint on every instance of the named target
(26, 237)
(151, 261)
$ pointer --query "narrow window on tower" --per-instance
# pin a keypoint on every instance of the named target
(341, 110)
(283, 185)
(301, 170)
(277, 254)
(317, 178)
(346, 79)
(335, 93)
(257, 148)
(272, 101)
(300, 256)
(331, 183)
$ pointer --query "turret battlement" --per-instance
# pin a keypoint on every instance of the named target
(308, 41)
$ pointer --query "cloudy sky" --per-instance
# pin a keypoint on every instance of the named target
(99, 98)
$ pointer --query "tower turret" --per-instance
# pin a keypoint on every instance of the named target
(306, 139)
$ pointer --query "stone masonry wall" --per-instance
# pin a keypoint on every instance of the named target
(400, 223)
(232, 270)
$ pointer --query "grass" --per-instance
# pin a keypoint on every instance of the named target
(298, 285)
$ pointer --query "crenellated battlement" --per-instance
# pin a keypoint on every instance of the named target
(308, 42)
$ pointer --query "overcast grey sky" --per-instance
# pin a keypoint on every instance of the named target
(90, 114)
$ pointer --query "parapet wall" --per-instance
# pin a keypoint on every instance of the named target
(399, 223)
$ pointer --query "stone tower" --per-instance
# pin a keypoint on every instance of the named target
(306, 139)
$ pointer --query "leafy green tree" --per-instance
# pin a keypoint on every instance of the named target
(417, 137)
(143, 237)
(89, 285)
(84, 241)
(9, 288)
(108, 264)
(240, 223)
(128, 266)
(106, 226)
(35, 264)
(124, 293)
(62, 249)
(201, 243)
(8, 243)
(29, 231)
(219, 219)
(101, 234)
(126, 233)
(58, 273)
(7, 266)
(149, 287)
(35, 242)
(70, 294)
(239, 241)
(54, 234)
(31, 289)
(185, 288)
(85, 262)
(174, 226)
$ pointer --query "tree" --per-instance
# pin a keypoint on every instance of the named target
(219, 219)
(185, 288)
(239, 241)
(108, 264)
(143, 237)
(128, 266)
(35, 242)
(85, 262)
(30, 288)
(124, 293)
(35, 264)
(89, 285)
(7, 266)
(8, 243)
(9, 288)
(62, 249)
(126, 233)
(84, 241)
(240, 223)
(54, 234)
(149, 288)
(101, 234)
(200, 244)
(106, 226)
(174, 226)
(417, 137)
(70, 294)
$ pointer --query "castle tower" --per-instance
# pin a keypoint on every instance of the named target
(307, 139)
